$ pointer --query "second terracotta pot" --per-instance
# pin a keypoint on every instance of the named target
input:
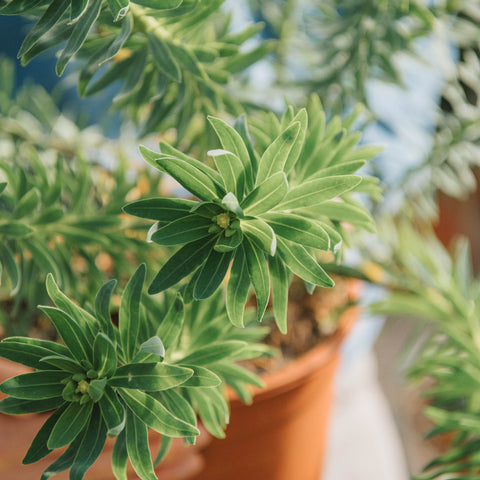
(282, 435)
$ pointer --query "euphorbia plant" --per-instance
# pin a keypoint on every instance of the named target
(265, 209)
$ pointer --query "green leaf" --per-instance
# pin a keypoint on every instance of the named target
(237, 289)
(92, 445)
(70, 424)
(109, 50)
(232, 171)
(7, 261)
(63, 363)
(30, 351)
(184, 230)
(119, 8)
(170, 151)
(212, 273)
(15, 229)
(113, 412)
(77, 9)
(150, 376)
(261, 234)
(193, 179)
(346, 212)
(231, 371)
(266, 196)
(346, 168)
(17, 7)
(232, 142)
(280, 283)
(276, 155)
(214, 352)
(129, 314)
(177, 405)
(120, 457)
(87, 322)
(65, 461)
(38, 448)
(104, 356)
(50, 17)
(202, 377)
(159, 4)
(163, 58)
(297, 147)
(72, 334)
(79, 34)
(35, 386)
(298, 229)
(228, 244)
(165, 444)
(155, 415)
(42, 256)
(171, 325)
(102, 308)
(317, 191)
(184, 262)
(27, 204)
(161, 209)
(20, 406)
(258, 272)
(96, 389)
(301, 263)
(138, 447)
(212, 409)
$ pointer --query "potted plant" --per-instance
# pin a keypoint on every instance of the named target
(274, 192)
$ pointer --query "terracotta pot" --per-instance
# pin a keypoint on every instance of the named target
(461, 217)
(282, 435)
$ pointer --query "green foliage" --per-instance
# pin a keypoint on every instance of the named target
(278, 196)
(120, 381)
(60, 211)
(172, 57)
(442, 289)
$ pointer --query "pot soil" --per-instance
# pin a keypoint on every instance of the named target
(282, 435)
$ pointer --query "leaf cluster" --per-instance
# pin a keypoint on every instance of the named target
(275, 198)
(115, 381)
(442, 290)
(60, 211)
(172, 57)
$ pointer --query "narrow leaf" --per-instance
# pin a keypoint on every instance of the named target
(184, 230)
(259, 276)
(113, 412)
(184, 262)
(129, 315)
(237, 289)
(261, 234)
(150, 376)
(315, 192)
(69, 425)
(36, 385)
(266, 196)
(212, 274)
(301, 263)
(104, 356)
(155, 415)
(275, 156)
(280, 283)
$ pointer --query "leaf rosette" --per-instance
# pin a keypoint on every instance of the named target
(264, 213)
(99, 383)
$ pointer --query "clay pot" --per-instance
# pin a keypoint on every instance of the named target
(282, 435)
(461, 217)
